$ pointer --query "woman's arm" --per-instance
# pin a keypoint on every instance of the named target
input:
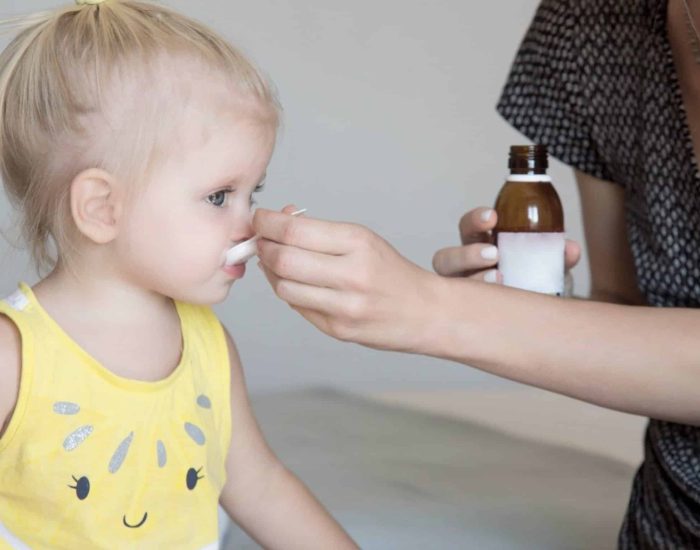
(268, 501)
(613, 280)
(639, 360)
(354, 286)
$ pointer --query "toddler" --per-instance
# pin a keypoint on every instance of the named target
(132, 140)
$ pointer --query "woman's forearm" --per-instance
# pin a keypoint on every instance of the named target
(640, 360)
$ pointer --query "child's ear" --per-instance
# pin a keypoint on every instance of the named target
(96, 205)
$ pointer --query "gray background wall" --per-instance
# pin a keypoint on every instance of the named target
(389, 122)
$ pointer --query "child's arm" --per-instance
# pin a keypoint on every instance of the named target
(268, 501)
(10, 362)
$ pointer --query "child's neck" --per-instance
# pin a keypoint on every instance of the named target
(93, 296)
(100, 314)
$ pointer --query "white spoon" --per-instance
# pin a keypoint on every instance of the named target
(244, 251)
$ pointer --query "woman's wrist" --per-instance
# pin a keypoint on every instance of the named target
(444, 317)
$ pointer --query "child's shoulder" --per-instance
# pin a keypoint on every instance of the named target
(10, 364)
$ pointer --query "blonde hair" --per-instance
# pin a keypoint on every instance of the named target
(63, 108)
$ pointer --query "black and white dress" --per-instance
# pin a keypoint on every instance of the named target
(595, 81)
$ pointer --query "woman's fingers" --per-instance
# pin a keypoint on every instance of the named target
(460, 261)
(476, 225)
(300, 265)
(572, 254)
(290, 209)
(474, 259)
(299, 295)
(308, 233)
(489, 276)
(475, 229)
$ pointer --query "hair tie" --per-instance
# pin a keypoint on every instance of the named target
(89, 2)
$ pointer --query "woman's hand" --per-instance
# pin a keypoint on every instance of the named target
(478, 257)
(346, 280)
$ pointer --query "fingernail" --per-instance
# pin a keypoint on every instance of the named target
(489, 253)
(486, 215)
(491, 276)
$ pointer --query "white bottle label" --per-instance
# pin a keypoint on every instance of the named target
(532, 261)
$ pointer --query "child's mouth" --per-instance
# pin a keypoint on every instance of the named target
(235, 271)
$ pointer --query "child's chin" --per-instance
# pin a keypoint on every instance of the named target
(218, 297)
(225, 291)
(207, 297)
(221, 298)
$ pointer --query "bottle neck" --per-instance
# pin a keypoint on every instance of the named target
(528, 159)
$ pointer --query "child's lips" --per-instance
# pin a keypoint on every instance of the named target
(235, 271)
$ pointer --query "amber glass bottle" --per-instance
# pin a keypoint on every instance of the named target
(530, 229)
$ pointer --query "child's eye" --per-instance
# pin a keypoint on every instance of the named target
(218, 199)
(81, 487)
(193, 478)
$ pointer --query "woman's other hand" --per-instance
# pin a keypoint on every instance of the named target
(477, 258)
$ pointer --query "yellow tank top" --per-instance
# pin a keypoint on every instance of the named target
(93, 460)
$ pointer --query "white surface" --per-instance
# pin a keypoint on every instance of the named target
(389, 121)
(398, 478)
(527, 414)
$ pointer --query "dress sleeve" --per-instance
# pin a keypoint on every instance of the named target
(543, 97)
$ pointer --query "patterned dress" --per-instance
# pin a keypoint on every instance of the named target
(596, 82)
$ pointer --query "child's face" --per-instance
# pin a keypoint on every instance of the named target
(196, 206)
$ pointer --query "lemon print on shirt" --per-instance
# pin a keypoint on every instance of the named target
(127, 488)
(93, 460)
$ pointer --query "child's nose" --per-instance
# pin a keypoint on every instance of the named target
(242, 228)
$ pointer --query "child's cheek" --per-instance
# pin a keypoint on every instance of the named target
(195, 252)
